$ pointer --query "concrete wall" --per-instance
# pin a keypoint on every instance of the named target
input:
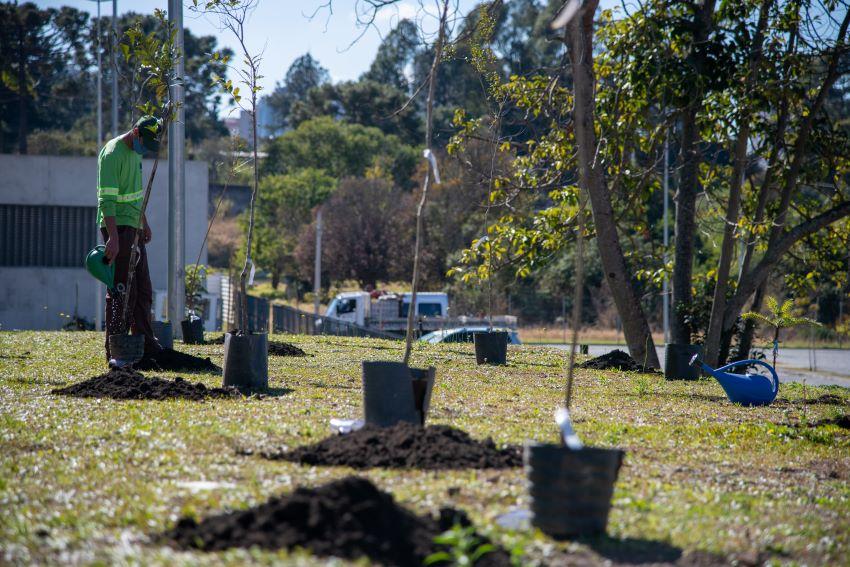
(35, 298)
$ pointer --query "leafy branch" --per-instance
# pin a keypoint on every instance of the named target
(780, 317)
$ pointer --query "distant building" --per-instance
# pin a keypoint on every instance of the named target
(47, 225)
(239, 123)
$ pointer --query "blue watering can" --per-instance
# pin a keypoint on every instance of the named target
(745, 389)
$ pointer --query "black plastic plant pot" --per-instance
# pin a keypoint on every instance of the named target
(423, 384)
(387, 394)
(491, 347)
(126, 349)
(164, 333)
(246, 361)
(677, 362)
(193, 331)
(571, 490)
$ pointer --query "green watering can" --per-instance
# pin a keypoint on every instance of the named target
(98, 266)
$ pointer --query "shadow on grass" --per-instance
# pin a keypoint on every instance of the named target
(368, 346)
(270, 392)
(703, 397)
(633, 551)
(319, 384)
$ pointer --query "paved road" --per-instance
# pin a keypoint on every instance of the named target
(819, 367)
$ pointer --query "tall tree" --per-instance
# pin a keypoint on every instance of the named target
(395, 56)
(32, 55)
(304, 74)
(361, 233)
(367, 102)
(283, 208)
(579, 38)
(341, 150)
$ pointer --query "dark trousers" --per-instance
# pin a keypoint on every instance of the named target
(141, 294)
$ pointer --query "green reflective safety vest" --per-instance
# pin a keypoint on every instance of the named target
(119, 184)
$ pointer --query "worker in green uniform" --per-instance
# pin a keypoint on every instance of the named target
(119, 205)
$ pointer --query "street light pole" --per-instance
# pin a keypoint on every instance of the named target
(177, 178)
(114, 69)
(98, 287)
(665, 293)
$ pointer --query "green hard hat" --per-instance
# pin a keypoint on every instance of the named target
(97, 265)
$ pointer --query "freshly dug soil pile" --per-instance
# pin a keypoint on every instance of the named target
(842, 421)
(616, 360)
(123, 384)
(169, 359)
(829, 399)
(284, 349)
(404, 446)
(348, 518)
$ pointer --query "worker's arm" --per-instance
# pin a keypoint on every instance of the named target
(107, 197)
(112, 245)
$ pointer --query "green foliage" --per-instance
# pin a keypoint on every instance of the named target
(195, 280)
(153, 58)
(365, 102)
(780, 316)
(341, 150)
(304, 75)
(465, 547)
(284, 206)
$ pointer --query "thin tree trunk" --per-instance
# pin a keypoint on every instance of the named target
(429, 121)
(243, 277)
(745, 344)
(686, 196)
(579, 39)
(780, 241)
(727, 248)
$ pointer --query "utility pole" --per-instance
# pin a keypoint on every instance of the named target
(665, 292)
(114, 69)
(177, 179)
(317, 264)
(98, 287)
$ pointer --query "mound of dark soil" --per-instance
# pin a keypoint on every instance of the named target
(276, 348)
(403, 446)
(169, 359)
(348, 518)
(284, 349)
(616, 360)
(829, 399)
(842, 421)
(123, 384)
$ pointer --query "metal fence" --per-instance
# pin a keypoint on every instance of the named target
(258, 309)
(287, 319)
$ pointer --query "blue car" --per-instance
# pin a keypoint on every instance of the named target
(464, 335)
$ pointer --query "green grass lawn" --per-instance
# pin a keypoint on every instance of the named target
(89, 481)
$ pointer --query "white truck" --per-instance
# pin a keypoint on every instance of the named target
(387, 312)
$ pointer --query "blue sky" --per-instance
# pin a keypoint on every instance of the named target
(284, 30)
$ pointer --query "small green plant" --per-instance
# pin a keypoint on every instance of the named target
(465, 547)
(195, 281)
(781, 317)
(643, 386)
